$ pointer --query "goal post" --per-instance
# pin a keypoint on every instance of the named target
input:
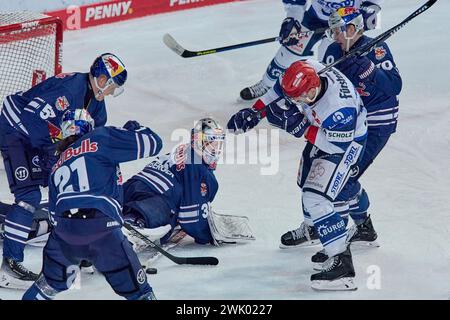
(30, 50)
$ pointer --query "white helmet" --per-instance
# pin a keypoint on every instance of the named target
(207, 139)
(340, 19)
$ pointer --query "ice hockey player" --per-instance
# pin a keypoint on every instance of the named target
(177, 189)
(301, 18)
(378, 82)
(328, 111)
(29, 128)
(85, 204)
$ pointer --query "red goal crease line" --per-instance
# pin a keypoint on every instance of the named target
(79, 17)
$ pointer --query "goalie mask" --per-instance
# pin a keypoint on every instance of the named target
(340, 19)
(207, 138)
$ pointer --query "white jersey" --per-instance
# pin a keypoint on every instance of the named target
(336, 119)
(334, 113)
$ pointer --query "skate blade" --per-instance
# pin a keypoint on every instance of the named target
(307, 244)
(342, 284)
(364, 244)
(9, 282)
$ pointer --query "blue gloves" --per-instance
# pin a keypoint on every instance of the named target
(287, 27)
(244, 120)
(131, 125)
(290, 120)
(360, 68)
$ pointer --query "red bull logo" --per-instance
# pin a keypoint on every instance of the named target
(114, 66)
(203, 189)
(62, 103)
(380, 53)
(345, 11)
(85, 147)
(54, 132)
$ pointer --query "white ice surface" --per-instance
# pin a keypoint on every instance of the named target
(408, 184)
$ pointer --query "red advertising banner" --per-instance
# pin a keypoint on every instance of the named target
(78, 17)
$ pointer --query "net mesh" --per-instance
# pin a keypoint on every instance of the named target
(27, 51)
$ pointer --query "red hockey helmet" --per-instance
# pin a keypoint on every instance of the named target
(298, 80)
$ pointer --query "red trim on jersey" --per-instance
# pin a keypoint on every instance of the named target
(259, 105)
(311, 134)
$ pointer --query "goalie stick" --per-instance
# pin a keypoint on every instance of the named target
(178, 260)
(173, 45)
(368, 47)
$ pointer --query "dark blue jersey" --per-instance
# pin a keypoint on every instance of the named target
(37, 112)
(87, 174)
(379, 95)
(188, 185)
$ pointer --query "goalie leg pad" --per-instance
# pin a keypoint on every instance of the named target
(229, 228)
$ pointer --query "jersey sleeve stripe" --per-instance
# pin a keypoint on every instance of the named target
(183, 208)
(148, 180)
(14, 105)
(188, 214)
(14, 116)
(153, 145)
(161, 176)
(138, 144)
(155, 179)
(187, 221)
(147, 146)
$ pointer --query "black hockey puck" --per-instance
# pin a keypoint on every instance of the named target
(151, 271)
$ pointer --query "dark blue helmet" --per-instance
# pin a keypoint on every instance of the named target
(111, 66)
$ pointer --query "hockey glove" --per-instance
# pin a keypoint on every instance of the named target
(290, 120)
(289, 32)
(360, 68)
(132, 125)
(243, 120)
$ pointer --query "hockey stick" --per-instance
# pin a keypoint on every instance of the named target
(173, 45)
(178, 260)
(365, 49)
(368, 47)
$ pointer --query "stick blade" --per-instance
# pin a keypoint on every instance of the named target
(173, 45)
(213, 261)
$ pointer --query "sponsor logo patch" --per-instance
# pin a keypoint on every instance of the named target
(203, 189)
(140, 277)
(319, 174)
(106, 11)
(61, 103)
(337, 136)
(35, 161)
(380, 53)
(324, 230)
(85, 147)
(21, 173)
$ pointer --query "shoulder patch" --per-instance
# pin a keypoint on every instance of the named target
(62, 103)
(340, 118)
(380, 52)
